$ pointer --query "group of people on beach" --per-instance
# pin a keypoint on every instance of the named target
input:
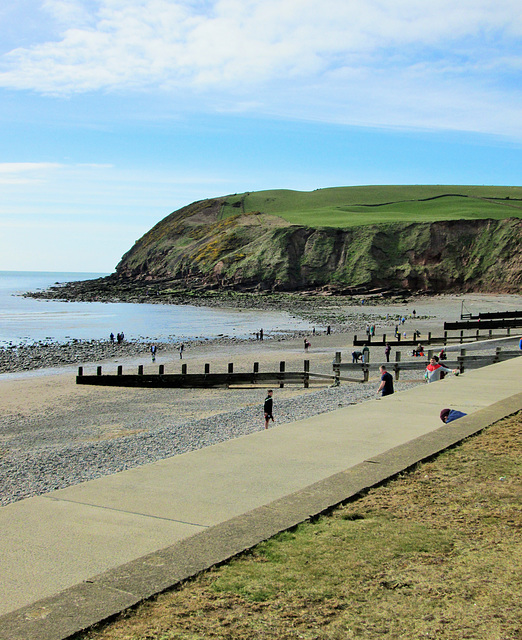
(434, 372)
(120, 337)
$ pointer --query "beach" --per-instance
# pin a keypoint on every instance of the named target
(54, 433)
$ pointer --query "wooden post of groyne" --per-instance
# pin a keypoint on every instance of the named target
(306, 377)
(120, 370)
(396, 367)
(337, 368)
(460, 360)
(282, 370)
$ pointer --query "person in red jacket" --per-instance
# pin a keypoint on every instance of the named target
(434, 370)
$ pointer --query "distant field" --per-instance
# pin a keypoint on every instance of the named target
(359, 206)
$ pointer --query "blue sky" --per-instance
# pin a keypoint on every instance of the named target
(113, 113)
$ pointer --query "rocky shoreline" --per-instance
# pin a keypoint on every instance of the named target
(48, 355)
(323, 305)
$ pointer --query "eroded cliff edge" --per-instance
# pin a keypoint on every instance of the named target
(259, 251)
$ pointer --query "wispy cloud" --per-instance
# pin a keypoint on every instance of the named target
(37, 172)
(320, 60)
(25, 167)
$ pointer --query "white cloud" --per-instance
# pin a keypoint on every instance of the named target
(16, 173)
(278, 54)
(24, 167)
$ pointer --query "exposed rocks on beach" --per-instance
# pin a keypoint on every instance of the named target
(315, 304)
(43, 355)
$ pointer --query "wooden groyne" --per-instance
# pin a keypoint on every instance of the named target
(205, 380)
(430, 339)
(463, 362)
(492, 315)
(480, 324)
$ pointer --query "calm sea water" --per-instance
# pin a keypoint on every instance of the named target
(30, 320)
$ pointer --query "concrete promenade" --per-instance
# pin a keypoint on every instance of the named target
(78, 555)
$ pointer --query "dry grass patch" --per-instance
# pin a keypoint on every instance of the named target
(435, 554)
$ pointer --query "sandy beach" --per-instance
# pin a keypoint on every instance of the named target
(54, 432)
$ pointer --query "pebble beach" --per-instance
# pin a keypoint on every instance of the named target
(54, 433)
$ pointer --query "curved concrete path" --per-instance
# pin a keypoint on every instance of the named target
(78, 555)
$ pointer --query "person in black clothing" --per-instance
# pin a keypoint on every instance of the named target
(268, 408)
(386, 385)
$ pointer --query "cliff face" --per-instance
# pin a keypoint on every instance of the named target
(248, 251)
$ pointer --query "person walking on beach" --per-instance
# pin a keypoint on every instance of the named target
(111, 338)
(386, 386)
(387, 351)
(268, 408)
(153, 352)
(181, 349)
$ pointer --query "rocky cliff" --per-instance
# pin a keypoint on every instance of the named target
(197, 247)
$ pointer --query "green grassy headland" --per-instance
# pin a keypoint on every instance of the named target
(344, 207)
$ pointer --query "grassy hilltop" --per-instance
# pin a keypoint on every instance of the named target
(344, 207)
(347, 239)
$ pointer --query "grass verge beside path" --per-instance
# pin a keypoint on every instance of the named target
(435, 553)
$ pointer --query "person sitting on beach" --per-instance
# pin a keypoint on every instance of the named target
(448, 415)
(435, 369)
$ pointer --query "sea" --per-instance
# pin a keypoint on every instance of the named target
(29, 320)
